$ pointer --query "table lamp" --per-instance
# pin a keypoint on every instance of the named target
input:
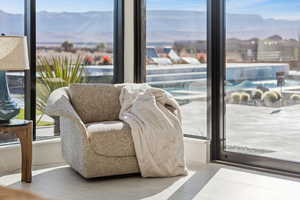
(13, 57)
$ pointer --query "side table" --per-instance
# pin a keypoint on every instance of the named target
(23, 130)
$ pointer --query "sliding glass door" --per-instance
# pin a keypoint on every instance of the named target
(247, 69)
(262, 84)
(176, 57)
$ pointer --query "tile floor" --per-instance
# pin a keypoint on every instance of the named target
(209, 182)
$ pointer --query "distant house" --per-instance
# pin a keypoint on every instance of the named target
(191, 60)
(277, 49)
(199, 46)
(162, 61)
(151, 53)
(275, 38)
(234, 56)
(241, 50)
(183, 53)
(171, 54)
(154, 58)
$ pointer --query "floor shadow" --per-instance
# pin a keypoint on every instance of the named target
(64, 183)
(215, 177)
(195, 184)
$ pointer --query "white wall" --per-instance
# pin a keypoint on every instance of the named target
(129, 41)
(49, 152)
(196, 151)
(43, 152)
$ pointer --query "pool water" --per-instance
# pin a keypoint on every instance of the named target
(231, 86)
(254, 84)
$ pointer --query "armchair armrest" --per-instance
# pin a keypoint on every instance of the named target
(58, 104)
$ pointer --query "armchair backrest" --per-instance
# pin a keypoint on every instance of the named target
(96, 102)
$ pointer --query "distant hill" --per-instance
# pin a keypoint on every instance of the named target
(163, 26)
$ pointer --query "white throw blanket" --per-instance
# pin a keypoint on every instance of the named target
(155, 120)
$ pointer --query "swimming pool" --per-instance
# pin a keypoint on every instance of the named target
(191, 88)
(271, 84)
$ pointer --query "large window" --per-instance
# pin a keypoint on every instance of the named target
(70, 34)
(176, 56)
(12, 23)
(262, 78)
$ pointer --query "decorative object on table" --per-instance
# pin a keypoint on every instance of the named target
(23, 130)
(13, 57)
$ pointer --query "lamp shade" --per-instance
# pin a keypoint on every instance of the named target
(13, 53)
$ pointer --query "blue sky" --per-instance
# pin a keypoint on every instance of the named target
(287, 9)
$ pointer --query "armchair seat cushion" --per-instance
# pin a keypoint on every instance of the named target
(111, 138)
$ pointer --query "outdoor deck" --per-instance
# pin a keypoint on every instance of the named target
(253, 130)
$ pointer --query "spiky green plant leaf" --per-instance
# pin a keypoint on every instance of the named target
(54, 73)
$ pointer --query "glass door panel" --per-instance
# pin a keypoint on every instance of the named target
(263, 79)
(176, 56)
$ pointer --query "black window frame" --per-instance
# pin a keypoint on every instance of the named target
(216, 72)
(30, 75)
(30, 33)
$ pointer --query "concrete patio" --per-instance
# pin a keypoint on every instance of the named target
(253, 130)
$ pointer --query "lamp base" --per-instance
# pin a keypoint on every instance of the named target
(8, 107)
(4, 121)
(8, 110)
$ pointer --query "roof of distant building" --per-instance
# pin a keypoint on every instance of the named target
(151, 52)
(275, 37)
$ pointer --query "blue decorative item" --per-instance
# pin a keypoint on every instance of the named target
(8, 107)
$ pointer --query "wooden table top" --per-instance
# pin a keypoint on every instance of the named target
(15, 123)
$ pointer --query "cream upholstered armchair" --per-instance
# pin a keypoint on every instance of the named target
(95, 142)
